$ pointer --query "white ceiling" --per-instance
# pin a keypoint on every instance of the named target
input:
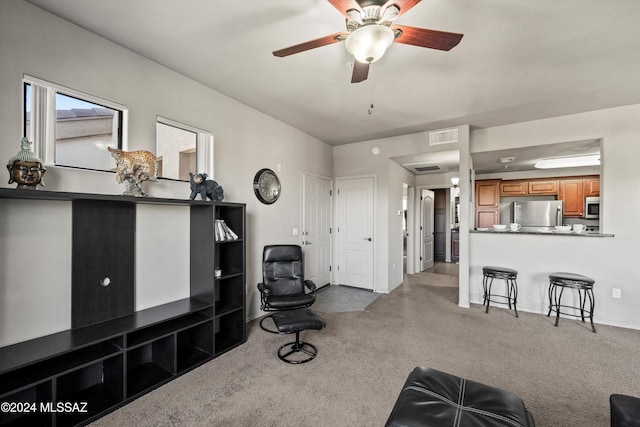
(525, 158)
(519, 60)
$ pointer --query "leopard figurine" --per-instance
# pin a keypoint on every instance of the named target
(134, 167)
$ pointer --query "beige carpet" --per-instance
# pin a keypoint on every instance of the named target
(564, 375)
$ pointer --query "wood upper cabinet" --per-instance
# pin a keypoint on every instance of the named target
(532, 187)
(487, 195)
(572, 194)
(592, 186)
(487, 203)
(513, 188)
(543, 187)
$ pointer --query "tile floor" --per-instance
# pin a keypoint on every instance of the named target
(340, 298)
(337, 298)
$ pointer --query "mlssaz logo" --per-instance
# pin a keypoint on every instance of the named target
(64, 407)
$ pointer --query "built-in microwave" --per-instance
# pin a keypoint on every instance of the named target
(592, 207)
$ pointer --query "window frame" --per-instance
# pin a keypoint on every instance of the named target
(204, 146)
(42, 103)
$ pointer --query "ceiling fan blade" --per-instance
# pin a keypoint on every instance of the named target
(344, 5)
(403, 5)
(423, 37)
(312, 44)
(360, 71)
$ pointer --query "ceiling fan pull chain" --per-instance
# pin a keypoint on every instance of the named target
(372, 96)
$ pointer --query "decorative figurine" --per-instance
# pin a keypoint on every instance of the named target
(135, 167)
(205, 187)
(25, 168)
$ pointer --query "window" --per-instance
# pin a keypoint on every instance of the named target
(181, 149)
(70, 128)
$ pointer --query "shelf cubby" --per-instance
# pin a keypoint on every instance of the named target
(194, 345)
(99, 384)
(229, 294)
(230, 257)
(233, 217)
(229, 331)
(149, 365)
(165, 328)
(22, 377)
(33, 396)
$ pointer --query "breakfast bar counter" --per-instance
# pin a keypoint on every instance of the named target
(537, 254)
(541, 231)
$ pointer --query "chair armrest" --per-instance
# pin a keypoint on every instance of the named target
(310, 285)
(264, 289)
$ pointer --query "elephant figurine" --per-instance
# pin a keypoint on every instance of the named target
(205, 187)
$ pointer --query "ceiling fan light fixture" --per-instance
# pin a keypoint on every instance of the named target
(369, 43)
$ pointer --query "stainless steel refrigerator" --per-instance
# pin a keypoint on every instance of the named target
(539, 213)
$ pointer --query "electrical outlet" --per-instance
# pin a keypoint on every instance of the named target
(617, 293)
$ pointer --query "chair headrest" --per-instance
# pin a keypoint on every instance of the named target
(282, 253)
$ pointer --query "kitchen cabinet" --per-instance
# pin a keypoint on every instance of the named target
(487, 195)
(533, 187)
(487, 204)
(592, 187)
(455, 245)
(542, 187)
(572, 194)
(513, 188)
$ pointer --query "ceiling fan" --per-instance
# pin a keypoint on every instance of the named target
(370, 32)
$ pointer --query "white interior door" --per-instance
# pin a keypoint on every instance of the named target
(426, 228)
(355, 243)
(316, 228)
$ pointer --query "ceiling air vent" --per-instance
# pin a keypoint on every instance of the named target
(426, 167)
(449, 136)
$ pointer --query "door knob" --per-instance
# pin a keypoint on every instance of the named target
(368, 239)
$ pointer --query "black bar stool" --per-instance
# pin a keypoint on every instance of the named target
(509, 276)
(572, 281)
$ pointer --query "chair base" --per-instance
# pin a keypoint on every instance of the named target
(295, 348)
(296, 321)
(264, 328)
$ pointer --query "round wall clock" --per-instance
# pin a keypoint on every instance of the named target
(266, 185)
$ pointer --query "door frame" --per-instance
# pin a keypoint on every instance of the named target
(423, 235)
(301, 237)
(417, 249)
(334, 274)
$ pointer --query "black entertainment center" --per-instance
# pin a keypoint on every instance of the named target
(113, 354)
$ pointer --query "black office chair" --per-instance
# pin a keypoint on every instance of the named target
(283, 285)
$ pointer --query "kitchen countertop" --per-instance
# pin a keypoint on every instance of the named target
(542, 232)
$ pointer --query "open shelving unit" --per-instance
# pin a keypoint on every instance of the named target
(115, 355)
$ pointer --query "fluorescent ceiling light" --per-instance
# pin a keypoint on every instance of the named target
(569, 162)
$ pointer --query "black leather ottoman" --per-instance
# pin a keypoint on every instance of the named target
(297, 321)
(434, 398)
(625, 411)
